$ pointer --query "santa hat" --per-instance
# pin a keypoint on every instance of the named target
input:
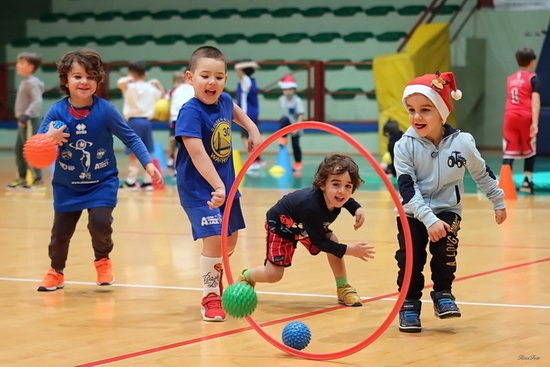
(288, 82)
(438, 88)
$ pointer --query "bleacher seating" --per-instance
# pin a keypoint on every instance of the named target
(282, 32)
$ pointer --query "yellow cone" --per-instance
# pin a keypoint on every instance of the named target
(237, 162)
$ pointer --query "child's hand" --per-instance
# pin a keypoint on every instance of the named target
(438, 230)
(500, 215)
(218, 198)
(361, 250)
(254, 141)
(155, 174)
(533, 131)
(359, 218)
(58, 135)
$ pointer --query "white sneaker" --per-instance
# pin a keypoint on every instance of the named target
(147, 186)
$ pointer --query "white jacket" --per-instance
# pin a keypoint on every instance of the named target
(431, 179)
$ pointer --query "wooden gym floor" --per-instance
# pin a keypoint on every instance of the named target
(151, 316)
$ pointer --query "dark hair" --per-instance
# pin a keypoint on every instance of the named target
(246, 71)
(32, 58)
(391, 127)
(524, 56)
(337, 164)
(138, 67)
(208, 52)
(88, 59)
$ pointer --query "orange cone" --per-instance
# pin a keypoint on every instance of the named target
(506, 182)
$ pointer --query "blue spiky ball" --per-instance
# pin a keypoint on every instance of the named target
(58, 123)
(239, 300)
(296, 335)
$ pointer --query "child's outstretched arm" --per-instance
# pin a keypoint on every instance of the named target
(206, 168)
(359, 218)
(242, 119)
(361, 250)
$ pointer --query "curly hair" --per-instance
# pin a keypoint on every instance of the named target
(337, 164)
(88, 59)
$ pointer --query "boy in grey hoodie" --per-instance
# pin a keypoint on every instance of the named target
(430, 160)
(28, 103)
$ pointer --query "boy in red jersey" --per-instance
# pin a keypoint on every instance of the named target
(521, 116)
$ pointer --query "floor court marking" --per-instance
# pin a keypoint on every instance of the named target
(385, 297)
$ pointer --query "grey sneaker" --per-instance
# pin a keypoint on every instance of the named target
(409, 317)
(444, 305)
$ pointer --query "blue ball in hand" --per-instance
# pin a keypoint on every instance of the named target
(58, 123)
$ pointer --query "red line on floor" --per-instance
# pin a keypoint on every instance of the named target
(287, 319)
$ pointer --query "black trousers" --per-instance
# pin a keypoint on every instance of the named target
(100, 222)
(444, 252)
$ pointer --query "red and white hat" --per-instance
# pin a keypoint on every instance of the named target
(438, 88)
(288, 82)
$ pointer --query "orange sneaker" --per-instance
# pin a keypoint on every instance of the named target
(283, 141)
(211, 308)
(51, 281)
(104, 271)
(297, 166)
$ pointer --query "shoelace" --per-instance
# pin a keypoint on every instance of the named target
(411, 315)
(215, 302)
(103, 268)
(445, 303)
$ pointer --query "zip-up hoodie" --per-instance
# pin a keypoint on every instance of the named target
(431, 179)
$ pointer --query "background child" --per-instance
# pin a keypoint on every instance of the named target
(140, 97)
(293, 111)
(247, 100)
(431, 159)
(205, 167)
(304, 216)
(86, 175)
(521, 116)
(28, 103)
(181, 93)
(393, 133)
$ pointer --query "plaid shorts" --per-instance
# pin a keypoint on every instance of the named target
(281, 250)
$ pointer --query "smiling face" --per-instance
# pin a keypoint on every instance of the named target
(337, 190)
(208, 79)
(81, 85)
(424, 117)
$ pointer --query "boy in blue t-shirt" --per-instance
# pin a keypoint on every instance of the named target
(86, 174)
(205, 167)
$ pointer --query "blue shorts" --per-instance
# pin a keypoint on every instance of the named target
(206, 222)
(144, 130)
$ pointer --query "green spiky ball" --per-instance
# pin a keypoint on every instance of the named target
(239, 300)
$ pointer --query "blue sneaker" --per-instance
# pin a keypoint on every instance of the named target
(409, 317)
(444, 304)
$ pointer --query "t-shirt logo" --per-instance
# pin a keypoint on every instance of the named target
(456, 159)
(221, 141)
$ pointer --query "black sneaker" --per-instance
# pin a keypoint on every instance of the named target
(128, 186)
(527, 187)
(409, 317)
(444, 305)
